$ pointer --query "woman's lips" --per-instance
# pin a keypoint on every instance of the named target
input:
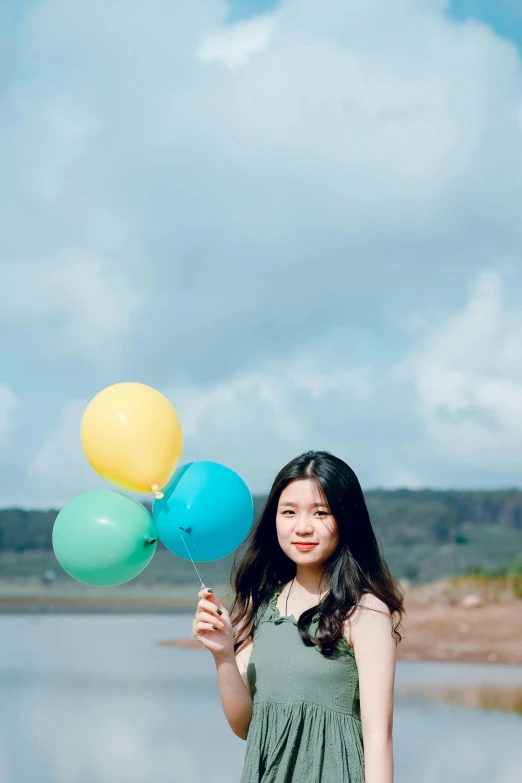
(304, 547)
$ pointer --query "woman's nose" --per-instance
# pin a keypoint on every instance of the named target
(304, 525)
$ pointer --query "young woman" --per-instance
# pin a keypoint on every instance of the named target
(306, 657)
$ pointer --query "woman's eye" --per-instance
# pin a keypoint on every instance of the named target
(324, 513)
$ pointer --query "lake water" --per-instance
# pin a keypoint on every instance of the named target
(94, 699)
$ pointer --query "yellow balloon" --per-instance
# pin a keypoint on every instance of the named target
(131, 435)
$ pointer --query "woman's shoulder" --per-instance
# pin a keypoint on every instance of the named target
(360, 619)
(371, 601)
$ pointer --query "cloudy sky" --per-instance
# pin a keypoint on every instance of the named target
(301, 221)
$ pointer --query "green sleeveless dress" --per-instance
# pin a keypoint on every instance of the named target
(306, 720)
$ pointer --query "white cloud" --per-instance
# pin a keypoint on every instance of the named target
(453, 401)
(260, 417)
(273, 386)
(468, 377)
(94, 306)
(328, 177)
(235, 45)
(350, 145)
(58, 466)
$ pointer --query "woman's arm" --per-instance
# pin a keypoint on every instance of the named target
(234, 689)
(375, 655)
(231, 668)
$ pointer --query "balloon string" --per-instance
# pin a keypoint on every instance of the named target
(193, 563)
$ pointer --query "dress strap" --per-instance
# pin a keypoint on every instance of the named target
(271, 612)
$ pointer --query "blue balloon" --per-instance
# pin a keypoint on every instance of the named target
(206, 508)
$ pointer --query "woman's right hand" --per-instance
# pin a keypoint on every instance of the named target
(211, 612)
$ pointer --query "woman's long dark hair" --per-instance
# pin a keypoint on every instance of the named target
(356, 567)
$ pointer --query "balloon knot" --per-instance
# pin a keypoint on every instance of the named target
(155, 489)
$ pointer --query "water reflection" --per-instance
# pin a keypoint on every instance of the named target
(481, 698)
(95, 699)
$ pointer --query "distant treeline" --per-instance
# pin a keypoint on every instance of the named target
(401, 518)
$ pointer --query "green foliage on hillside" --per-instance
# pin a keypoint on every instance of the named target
(425, 535)
(511, 568)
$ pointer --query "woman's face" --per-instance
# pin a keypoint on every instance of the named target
(303, 516)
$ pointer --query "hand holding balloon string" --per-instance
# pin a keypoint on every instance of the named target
(220, 644)
(203, 626)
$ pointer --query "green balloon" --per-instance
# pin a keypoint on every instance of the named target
(104, 538)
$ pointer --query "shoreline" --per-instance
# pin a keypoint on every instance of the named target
(466, 619)
(490, 633)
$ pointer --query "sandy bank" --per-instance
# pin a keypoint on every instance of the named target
(438, 627)
(488, 634)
